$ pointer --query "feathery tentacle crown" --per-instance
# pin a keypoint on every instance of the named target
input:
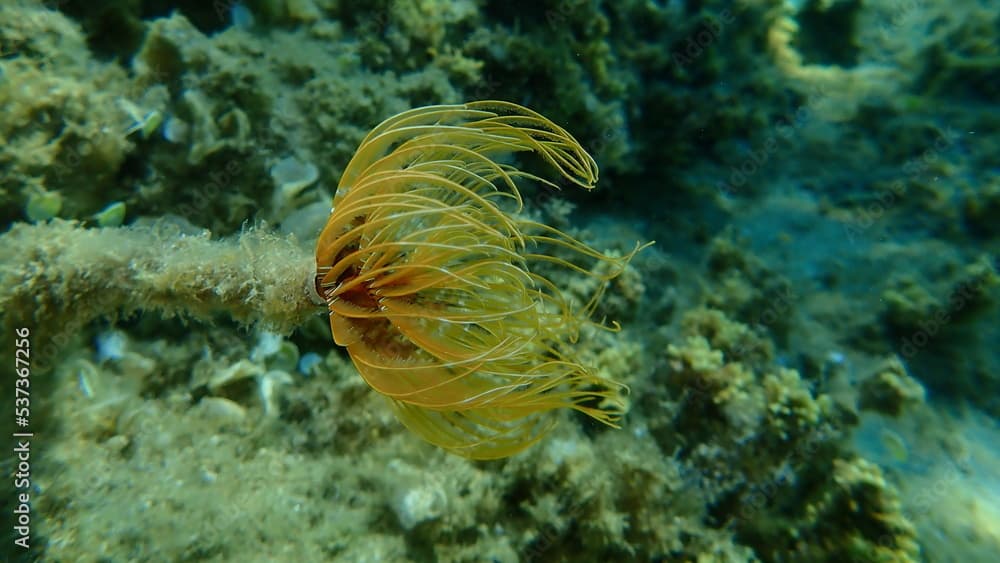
(432, 286)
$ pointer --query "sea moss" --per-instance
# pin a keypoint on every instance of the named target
(703, 117)
(63, 126)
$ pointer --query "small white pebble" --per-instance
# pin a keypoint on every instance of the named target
(111, 345)
(222, 411)
(208, 476)
(117, 442)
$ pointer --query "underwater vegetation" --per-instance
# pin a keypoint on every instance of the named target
(809, 351)
(432, 284)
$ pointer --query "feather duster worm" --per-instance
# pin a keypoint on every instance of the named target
(433, 285)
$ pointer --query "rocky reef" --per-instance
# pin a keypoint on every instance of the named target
(820, 178)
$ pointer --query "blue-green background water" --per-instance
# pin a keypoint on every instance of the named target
(812, 344)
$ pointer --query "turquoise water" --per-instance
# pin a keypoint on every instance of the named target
(810, 346)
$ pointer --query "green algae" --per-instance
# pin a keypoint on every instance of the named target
(736, 447)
